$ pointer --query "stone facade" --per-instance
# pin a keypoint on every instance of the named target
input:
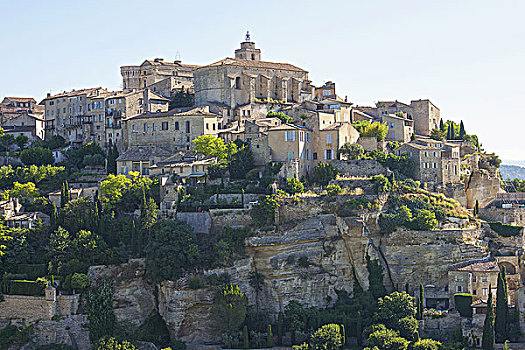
(246, 80)
(26, 124)
(359, 168)
(400, 128)
(151, 72)
(34, 309)
(173, 130)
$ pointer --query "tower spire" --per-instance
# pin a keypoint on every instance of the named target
(247, 36)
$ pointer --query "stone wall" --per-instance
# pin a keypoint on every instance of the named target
(230, 217)
(27, 307)
(359, 168)
(512, 216)
(200, 222)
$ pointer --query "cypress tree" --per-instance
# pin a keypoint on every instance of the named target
(269, 342)
(359, 329)
(54, 218)
(487, 342)
(450, 131)
(343, 334)
(420, 302)
(407, 288)
(461, 130)
(246, 341)
(67, 193)
(441, 125)
(63, 195)
(476, 208)
(134, 242)
(502, 307)
(280, 328)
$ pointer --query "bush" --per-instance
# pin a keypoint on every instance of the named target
(463, 302)
(294, 186)
(30, 288)
(114, 344)
(505, 230)
(425, 220)
(323, 173)
(195, 283)
(381, 184)
(37, 156)
(426, 344)
(333, 190)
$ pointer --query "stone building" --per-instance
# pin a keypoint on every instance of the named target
(140, 159)
(26, 124)
(325, 91)
(400, 127)
(27, 220)
(424, 113)
(245, 86)
(173, 130)
(291, 145)
(66, 114)
(435, 162)
(186, 168)
(161, 76)
(475, 277)
(11, 107)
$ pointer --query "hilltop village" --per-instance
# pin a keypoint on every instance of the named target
(240, 205)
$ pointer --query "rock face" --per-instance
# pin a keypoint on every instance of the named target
(307, 260)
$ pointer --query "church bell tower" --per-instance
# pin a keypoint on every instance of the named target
(248, 50)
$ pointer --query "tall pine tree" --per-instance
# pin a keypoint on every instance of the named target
(487, 342)
(420, 302)
(461, 131)
(502, 307)
(442, 125)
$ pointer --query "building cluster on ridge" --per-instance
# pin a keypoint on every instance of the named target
(232, 99)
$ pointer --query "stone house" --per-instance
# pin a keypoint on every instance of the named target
(475, 277)
(66, 114)
(26, 124)
(424, 113)
(509, 208)
(435, 162)
(249, 85)
(140, 159)
(172, 130)
(186, 168)
(325, 91)
(11, 107)
(27, 220)
(10, 207)
(400, 127)
(152, 72)
(291, 145)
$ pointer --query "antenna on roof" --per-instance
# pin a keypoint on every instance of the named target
(247, 37)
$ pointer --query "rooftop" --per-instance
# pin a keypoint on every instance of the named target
(187, 111)
(143, 153)
(255, 64)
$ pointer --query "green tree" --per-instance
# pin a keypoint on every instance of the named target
(425, 220)
(99, 308)
(285, 119)
(264, 212)
(502, 307)
(241, 161)
(229, 309)
(79, 281)
(385, 339)
(421, 302)
(352, 150)
(427, 344)
(25, 191)
(256, 282)
(394, 307)
(213, 146)
(113, 154)
(182, 99)
(462, 133)
(442, 126)
(113, 187)
(381, 184)
(37, 156)
(487, 341)
(21, 141)
(148, 213)
(6, 140)
(171, 250)
(328, 337)
(293, 185)
(269, 340)
(437, 134)
(323, 173)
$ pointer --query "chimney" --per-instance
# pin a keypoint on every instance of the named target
(145, 95)
(346, 98)
(158, 60)
(48, 94)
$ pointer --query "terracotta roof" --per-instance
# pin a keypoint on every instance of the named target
(21, 99)
(289, 127)
(188, 111)
(255, 64)
(476, 265)
(142, 153)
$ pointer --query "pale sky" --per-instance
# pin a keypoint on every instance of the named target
(465, 56)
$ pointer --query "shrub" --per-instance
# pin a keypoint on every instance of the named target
(323, 173)
(463, 302)
(30, 288)
(381, 184)
(114, 344)
(426, 344)
(505, 230)
(195, 283)
(425, 220)
(333, 190)
(294, 186)
(32, 271)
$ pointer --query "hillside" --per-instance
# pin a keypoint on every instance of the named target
(512, 172)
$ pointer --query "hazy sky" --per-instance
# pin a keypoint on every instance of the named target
(466, 56)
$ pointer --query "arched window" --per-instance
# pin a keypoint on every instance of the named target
(238, 83)
(253, 57)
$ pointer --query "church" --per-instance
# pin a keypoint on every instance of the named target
(245, 87)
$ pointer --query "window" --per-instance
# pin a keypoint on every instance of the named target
(164, 126)
(145, 126)
(473, 278)
(328, 154)
(475, 292)
(207, 126)
(328, 138)
(307, 137)
(153, 127)
(484, 279)
(290, 156)
(459, 278)
(485, 292)
(289, 136)
(188, 126)
(133, 127)
(314, 156)
(301, 136)
(238, 83)
(459, 289)
(176, 125)
(326, 92)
